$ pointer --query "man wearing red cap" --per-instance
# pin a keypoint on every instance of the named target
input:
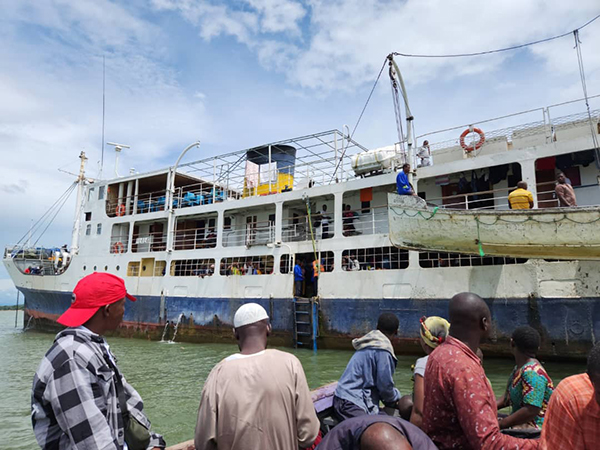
(80, 400)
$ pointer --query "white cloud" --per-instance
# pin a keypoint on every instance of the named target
(279, 15)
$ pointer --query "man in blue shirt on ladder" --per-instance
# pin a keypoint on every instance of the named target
(402, 184)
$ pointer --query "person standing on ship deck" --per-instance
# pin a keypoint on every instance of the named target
(520, 198)
(78, 392)
(298, 279)
(258, 398)
(368, 377)
(460, 406)
(403, 186)
(564, 192)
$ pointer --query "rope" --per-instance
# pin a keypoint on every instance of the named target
(312, 235)
(358, 121)
(481, 252)
(505, 49)
(584, 86)
(39, 222)
(56, 213)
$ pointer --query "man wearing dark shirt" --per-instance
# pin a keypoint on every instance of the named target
(377, 432)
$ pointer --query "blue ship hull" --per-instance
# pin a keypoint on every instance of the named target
(568, 326)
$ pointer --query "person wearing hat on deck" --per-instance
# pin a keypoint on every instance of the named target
(257, 398)
(79, 396)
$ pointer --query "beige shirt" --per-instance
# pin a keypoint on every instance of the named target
(565, 191)
(257, 402)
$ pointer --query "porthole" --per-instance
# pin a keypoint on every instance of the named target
(105, 268)
(84, 267)
(118, 267)
(95, 268)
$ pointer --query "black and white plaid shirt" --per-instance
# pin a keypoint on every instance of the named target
(74, 403)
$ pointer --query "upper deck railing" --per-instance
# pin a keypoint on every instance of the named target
(546, 123)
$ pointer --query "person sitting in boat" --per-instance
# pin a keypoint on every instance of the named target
(376, 432)
(258, 398)
(434, 331)
(520, 198)
(460, 409)
(402, 184)
(564, 192)
(529, 386)
(368, 378)
(573, 416)
(80, 399)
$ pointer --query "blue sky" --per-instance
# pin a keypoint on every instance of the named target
(246, 72)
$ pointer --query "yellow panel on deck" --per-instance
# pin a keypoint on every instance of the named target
(284, 182)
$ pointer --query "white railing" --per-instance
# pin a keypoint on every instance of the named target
(149, 242)
(249, 234)
(194, 238)
(373, 220)
(297, 229)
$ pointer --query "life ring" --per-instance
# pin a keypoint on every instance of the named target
(118, 247)
(480, 142)
(121, 210)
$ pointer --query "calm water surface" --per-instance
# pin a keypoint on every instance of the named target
(169, 377)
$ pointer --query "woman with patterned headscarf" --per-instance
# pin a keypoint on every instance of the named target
(434, 330)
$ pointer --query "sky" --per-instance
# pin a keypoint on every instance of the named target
(242, 73)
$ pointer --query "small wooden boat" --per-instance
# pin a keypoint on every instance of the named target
(552, 233)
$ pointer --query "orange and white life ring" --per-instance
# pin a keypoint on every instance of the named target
(118, 247)
(477, 145)
(121, 210)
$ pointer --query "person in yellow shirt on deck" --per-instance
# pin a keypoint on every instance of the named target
(520, 198)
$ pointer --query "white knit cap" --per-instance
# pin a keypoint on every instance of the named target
(249, 313)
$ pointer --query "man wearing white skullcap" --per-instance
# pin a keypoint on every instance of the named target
(258, 398)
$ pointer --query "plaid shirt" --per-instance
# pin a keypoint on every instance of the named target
(573, 417)
(74, 403)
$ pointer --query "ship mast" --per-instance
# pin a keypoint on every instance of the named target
(399, 89)
(78, 208)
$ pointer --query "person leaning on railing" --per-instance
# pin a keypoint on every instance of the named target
(520, 198)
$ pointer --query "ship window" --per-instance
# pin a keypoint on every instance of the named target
(95, 268)
(133, 269)
(101, 192)
(99, 229)
(88, 230)
(160, 268)
(285, 264)
(90, 194)
(227, 224)
(192, 267)
(88, 216)
(377, 258)
(428, 260)
(247, 265)
(84, 267)
(118, 267)
(105, 268)
(365, 207)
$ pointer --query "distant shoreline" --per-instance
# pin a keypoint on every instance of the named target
(11, 308)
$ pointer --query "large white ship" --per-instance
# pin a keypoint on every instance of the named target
(196, 240)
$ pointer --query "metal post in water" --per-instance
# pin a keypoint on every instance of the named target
(17, 312)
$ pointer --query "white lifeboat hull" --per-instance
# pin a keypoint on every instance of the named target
(557, 233)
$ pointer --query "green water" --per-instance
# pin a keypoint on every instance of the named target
(169, 377)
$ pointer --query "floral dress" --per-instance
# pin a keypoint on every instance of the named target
(530, 385)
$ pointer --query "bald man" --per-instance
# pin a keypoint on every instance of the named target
(258, 398)
(376, 432)
(460, 407)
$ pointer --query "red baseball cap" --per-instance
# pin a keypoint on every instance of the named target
(91, 293)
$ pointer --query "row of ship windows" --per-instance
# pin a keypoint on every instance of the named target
(378, 258)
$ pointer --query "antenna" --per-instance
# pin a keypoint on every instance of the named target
(118, 148)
